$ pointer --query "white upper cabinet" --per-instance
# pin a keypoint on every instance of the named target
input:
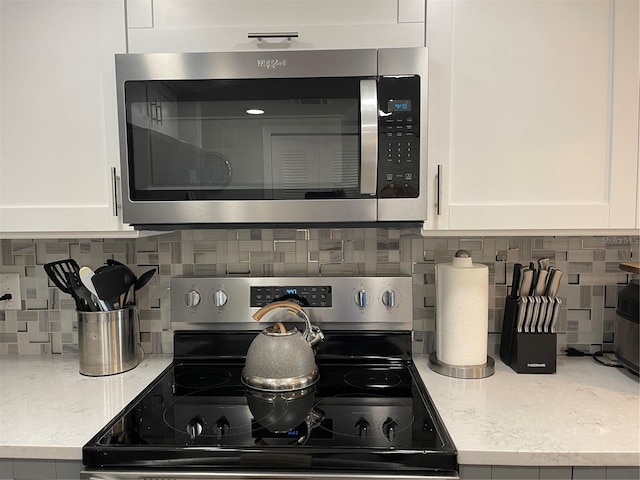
(533, 114)
(58, 130)
(226, 25)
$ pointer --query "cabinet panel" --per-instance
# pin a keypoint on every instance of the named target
(534, 114)
(225, 39)
(227, 13)
(223, 25)
(411, 11)
(58, 112)
(139, 13)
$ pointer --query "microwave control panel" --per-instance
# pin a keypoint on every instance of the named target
(399, 137)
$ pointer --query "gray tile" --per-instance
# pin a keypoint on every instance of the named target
(8, 337)
(623, 473)
(6, 468)
(33, 469)
(589, 473)
(555, 473)
(475, 472)
(511, 473)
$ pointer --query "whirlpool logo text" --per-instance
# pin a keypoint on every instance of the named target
(271, 64)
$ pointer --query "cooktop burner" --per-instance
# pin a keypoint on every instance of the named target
(372, 378)
(196, 378)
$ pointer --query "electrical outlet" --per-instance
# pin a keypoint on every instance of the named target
(10, 285)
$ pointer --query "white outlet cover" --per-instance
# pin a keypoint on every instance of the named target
(10, 284)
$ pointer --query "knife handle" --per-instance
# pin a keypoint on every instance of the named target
(541, 283)
(554, 283)
(522, 307)
(543, 263)
(534, 282)
(526, 278)
(515, 281)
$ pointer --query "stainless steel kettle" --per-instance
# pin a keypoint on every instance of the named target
(281, 358)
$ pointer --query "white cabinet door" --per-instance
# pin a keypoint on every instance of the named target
(58, 124)
(534, 114)
(225, 25)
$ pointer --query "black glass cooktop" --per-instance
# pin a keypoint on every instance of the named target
(361, 416)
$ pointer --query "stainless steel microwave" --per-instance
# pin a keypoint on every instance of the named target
(273, 137)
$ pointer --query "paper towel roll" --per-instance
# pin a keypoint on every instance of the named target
(462, 312)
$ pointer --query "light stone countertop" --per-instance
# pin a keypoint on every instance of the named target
(585, 414)
(49, 410)
(590, 414)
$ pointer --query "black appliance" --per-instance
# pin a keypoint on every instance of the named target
(368, 416)
(626, 339)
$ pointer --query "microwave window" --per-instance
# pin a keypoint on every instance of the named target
(243, 139)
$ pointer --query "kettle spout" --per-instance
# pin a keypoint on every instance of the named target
(312, 334)
(315, 336)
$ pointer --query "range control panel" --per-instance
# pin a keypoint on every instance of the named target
(374, 303)
(399, 137)
(307, 296)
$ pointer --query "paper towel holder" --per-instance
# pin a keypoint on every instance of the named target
(462, 371)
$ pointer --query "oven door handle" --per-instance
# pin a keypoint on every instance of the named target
(368, 136)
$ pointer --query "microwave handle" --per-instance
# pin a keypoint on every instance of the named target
(368, 136)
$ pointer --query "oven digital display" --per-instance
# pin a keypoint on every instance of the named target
(399, 105)
(307, 296)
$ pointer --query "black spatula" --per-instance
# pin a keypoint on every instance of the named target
(58, 273)
(113, 281)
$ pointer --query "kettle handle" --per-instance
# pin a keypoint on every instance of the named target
(280, 327)
(293, 308)
(313, 335)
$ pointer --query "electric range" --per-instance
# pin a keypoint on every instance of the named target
(368, 416)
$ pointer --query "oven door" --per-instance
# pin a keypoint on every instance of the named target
(206, 139)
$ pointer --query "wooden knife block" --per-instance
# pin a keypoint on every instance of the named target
(526, 352)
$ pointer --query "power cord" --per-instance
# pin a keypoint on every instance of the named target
(6, 296)
(597, 357)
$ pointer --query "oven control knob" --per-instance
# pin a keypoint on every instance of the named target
(389, 429)
(220, 298)
(361, 298)
(390, 299)
(222, 426)
(362, 428)
(191, 298)
(194, 427)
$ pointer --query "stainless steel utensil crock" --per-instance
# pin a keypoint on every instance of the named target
(280, 358)
(108, 342)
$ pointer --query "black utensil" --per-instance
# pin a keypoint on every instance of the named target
(111, 261)
(141, 281)
(112, 282)
(58, 271)
(81, 306)
(82, 295)
(515, 282)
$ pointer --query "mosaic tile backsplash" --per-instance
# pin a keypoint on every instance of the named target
(47, 322)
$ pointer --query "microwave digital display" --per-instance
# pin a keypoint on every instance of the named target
(399, 106)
